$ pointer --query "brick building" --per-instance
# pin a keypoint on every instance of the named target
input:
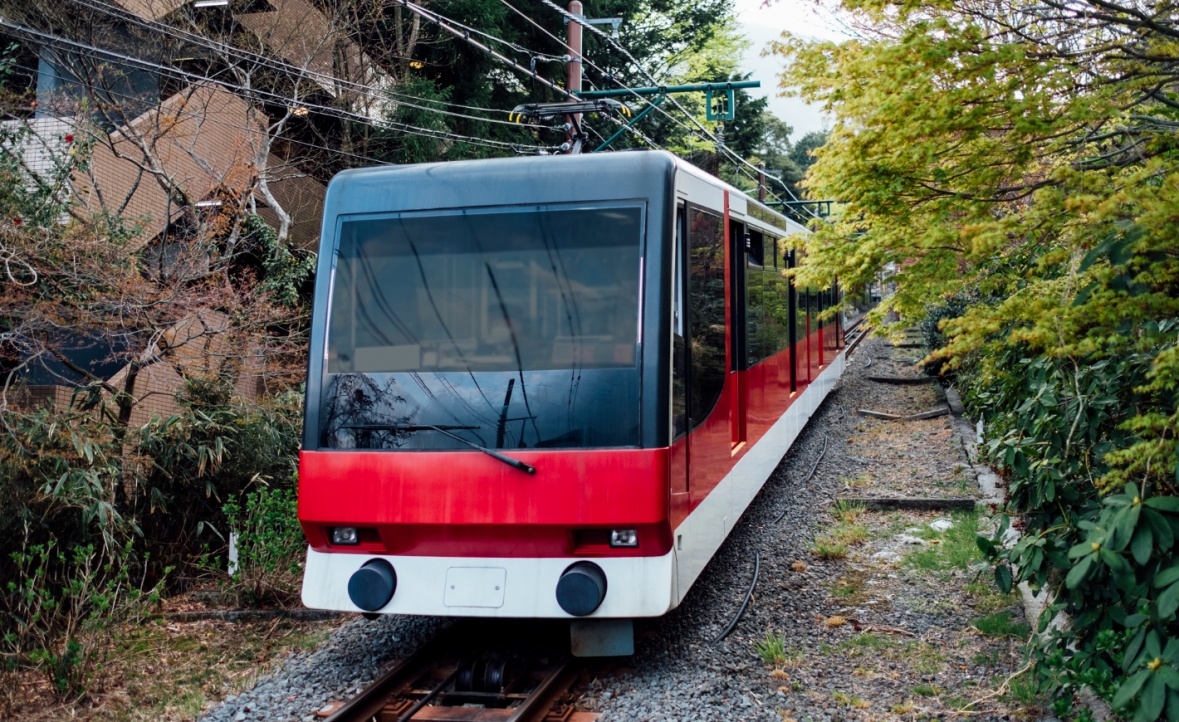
(190, 103)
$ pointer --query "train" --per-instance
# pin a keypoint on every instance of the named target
(547, 387)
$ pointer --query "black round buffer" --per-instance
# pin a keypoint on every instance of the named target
(581, 588)
(372, 586)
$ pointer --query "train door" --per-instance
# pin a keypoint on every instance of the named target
(679, 365)
(738, 247)
(706, 421)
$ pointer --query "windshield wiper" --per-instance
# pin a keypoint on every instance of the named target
(515, 463)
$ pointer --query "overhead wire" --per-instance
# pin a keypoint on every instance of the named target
(610, 76)
(584, 60)
(319, 77)
(570, 17)
(276, 64)
(442, 22)
(354, 86)
(282, 99)
(368, 91)
(220, 121)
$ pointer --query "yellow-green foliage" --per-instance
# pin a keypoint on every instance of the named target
(1018, 163)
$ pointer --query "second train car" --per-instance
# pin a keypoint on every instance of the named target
(546, 386)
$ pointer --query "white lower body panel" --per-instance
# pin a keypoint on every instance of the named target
(635, 586)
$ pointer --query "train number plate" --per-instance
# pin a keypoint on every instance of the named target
(475, 587)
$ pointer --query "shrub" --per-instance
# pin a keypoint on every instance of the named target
(89, 510)
(270, 546)
(53, 610)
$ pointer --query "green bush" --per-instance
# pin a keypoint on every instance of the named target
(1063, 432)
(55, 607)
(270, 546)
(89, 510)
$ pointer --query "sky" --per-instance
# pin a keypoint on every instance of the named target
(761, 25)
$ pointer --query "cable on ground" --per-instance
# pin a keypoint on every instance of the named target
(748, 596)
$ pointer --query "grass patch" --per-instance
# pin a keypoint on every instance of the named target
(773, 650)
(845, 533)
(161, 670)
(1023, 692)
(987, 658)
(851, 588)
(826, 548)
(927, 690)
(954, 548)
(848, 512)
(988, 599)
(922, 657)
(1002, 624)
(849, 700)
(857, 482)
(850, 534)
(867, 643)
(955, 702)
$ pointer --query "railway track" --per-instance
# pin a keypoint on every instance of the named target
(475, 672)
(854, 335)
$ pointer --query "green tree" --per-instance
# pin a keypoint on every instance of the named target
(1022, 156)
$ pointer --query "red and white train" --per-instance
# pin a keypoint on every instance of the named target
(546, 387)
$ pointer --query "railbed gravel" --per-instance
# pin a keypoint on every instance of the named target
(678, 673)
(346, 663)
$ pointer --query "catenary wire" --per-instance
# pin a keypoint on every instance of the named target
(363, 89)
(286, 101)
(366, 90)
(640, 98)
(184, 35)
(438, 19)
(706, 133)
(442, 22)
(206, 118)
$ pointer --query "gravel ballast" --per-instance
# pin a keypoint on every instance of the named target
(873, 636)
(897, 628)
(348, 662)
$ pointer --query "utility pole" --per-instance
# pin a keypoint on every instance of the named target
(573, 73)
(761, 182)
(720, 149)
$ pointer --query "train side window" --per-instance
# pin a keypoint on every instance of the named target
(776, 326)
(679, 350)
(755, 274)
(738, 284)
(792, 316)
(706, 313)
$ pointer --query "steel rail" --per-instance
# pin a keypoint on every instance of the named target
(460, 646)
(368, 703)
(540, 699)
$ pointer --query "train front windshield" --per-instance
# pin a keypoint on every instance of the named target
(510, 328)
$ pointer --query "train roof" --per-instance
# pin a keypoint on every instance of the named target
(498, 181)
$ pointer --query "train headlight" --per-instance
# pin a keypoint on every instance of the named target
(624, 538)
(345, 536)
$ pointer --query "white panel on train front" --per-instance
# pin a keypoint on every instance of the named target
(635, 586)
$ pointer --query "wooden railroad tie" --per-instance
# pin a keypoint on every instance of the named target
(932, 414)
(903, 380)
(909, 504)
